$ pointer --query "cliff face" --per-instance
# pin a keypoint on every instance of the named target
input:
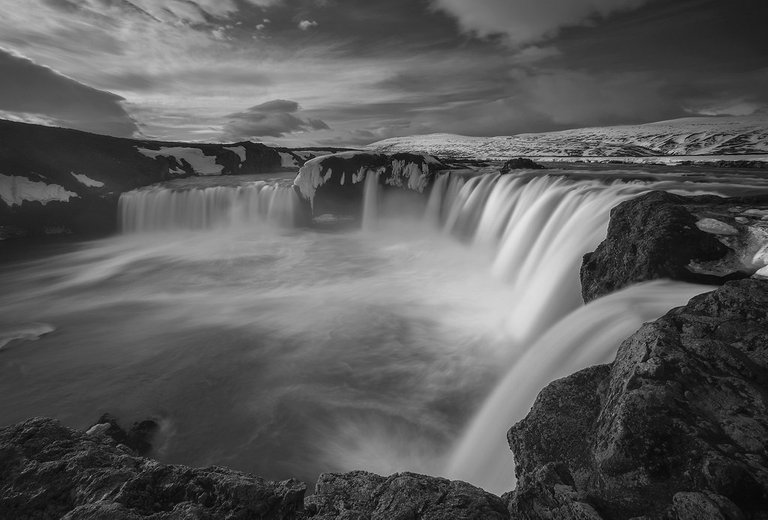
(676, 427)
(704, 239)
(54, 180)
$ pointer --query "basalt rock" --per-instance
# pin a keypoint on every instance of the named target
(702, 239)
(676, 428)
(362, 495)
(48, 471)
(520, 163)
(334, 184)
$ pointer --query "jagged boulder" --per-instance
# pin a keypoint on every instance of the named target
(703, 239)
(362, 495)
(48, 471)
(675, 428)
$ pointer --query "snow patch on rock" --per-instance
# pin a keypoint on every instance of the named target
(287, 160)
(239, 150)
(15, 189)
(401, 173)
(201, 163)
(87, 181)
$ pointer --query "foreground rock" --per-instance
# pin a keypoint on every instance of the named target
(705, 239)
(363, 495)
(48, 471)
(675, 428)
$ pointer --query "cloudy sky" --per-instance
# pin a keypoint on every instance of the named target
(355, 71)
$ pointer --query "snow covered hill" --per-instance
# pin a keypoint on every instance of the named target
(688, 136)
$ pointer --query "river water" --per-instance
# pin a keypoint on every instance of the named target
(285, 351)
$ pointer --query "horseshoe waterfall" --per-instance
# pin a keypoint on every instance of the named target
(284, 348)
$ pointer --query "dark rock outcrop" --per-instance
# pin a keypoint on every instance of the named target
(363, 495)
(520, 163)
(675, 428)
(86, 173)
(335, 183)
(48, 471)
(138, 437)
(704, 239)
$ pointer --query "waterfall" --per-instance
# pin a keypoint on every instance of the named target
(371, 194)
(588, 336)
(161, 209)
(536, 229)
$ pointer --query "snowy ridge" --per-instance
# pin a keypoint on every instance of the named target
(687, 136)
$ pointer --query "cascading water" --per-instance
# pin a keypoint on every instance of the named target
(588, 336)
(537, 231)
(160, 208)
(371, 194)
(289, 353)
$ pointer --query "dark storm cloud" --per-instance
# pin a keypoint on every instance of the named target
(271, 119)
(29, 88)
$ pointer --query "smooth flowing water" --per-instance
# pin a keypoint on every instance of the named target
(412, 344)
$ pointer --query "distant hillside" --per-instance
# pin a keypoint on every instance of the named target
(56, 180)
(688, 136)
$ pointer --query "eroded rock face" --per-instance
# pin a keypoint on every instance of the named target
(334, 183)
(362, 495)
(48, 471)
(704, 239)
(676, 427)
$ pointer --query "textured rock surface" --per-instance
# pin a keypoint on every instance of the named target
(403, 496)
(335, 183)
(661, 235)
(520, 163)
(675, 427)
(48, 471)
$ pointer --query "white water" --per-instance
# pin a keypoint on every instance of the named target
(588, 336)
(288, 352)
(162, 209)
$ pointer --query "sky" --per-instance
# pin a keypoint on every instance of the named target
(351, 72)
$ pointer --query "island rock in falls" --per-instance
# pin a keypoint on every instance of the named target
(675, 428)
(335, 183)
(702, 239)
